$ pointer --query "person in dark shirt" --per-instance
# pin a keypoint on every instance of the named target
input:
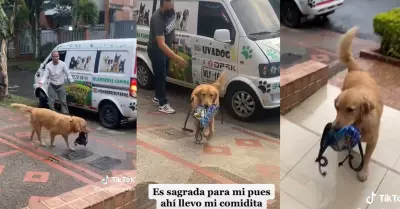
(162, 36)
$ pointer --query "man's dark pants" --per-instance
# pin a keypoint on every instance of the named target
(159, 62)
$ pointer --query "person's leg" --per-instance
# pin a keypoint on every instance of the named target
(156, 76)
(52, 95)
(62, 96)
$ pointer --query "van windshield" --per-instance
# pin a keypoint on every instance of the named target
(259, 18)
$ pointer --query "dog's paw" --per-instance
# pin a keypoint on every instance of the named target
(362, 175)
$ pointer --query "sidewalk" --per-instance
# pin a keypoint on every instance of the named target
(302, 186)
(166, 154)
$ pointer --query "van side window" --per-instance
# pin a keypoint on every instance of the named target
(215, 13)
(62, 55)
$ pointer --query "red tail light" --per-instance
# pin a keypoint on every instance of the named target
(133, 88)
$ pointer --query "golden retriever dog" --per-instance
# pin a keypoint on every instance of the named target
(55, 123)
(207, 95)
(360, 101)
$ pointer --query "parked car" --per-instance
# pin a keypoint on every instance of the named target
(296, 12)
(105, 76)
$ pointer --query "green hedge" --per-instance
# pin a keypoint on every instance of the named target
(387, 25)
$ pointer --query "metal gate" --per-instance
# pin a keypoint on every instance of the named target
(25, 43)
(123, 29)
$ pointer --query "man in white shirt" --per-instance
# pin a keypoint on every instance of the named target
(55, 71)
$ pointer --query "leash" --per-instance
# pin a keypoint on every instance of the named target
(199, 130)
(346, 138)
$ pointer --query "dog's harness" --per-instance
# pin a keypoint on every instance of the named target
(204, 116)
(344, 139)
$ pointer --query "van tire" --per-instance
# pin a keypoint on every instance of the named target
(145, 82)
(109, 116)
(233, 94)
(291, 14)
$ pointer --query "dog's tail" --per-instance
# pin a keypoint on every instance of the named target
(344, 50)
(22, 107)
(219, 83)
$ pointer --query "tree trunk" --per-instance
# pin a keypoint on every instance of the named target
(3, 70)
(37, 36)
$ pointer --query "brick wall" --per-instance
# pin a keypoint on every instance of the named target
(96, 196)
(301, 81)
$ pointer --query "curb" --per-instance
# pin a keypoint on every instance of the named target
(301, 81)
(375, 55)
(114, 195)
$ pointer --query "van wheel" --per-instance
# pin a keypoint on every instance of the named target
(43, 100)
(109, 116)
(291, 15)
(242, 102)
(145, 76)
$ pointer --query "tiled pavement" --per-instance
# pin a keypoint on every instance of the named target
(303, 187)
(168, 155)
(36, 173)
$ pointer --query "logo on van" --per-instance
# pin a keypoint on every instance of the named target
(197, 48)
(247, 52)
(216, 52)
(219, 65)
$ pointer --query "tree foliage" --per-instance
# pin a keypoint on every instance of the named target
(84, 11)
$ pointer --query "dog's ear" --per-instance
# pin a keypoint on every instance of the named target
(195, 95)
(367, 105)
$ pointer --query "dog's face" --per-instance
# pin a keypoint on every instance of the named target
(78, 60)
(88, 59)
(207, 95)
(351, 106)
(185, 14)
(78, 125)
(178, 16)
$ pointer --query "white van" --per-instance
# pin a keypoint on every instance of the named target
(295, 12)
(105, 76)
(240, 36)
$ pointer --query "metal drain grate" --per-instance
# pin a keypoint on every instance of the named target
(77, 155)
(169, 133)
(105, 163)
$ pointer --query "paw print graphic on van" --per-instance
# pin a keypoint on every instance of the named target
(264, 87)
(247, 52)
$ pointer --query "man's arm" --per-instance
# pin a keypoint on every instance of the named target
(69, 76)
(160, 38)
(45, 74)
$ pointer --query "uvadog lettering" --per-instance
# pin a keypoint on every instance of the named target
(216, 52)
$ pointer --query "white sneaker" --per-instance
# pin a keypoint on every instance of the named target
(166, 109)
(155, 101)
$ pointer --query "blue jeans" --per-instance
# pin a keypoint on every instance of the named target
(160, 66)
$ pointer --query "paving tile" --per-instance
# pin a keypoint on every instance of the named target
(288, 202)
(248, 143)
(339, 189)
(36, 176)
(217, 150)
(388, 193)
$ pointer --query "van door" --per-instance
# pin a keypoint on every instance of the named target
(211, 57)
(81, 64)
